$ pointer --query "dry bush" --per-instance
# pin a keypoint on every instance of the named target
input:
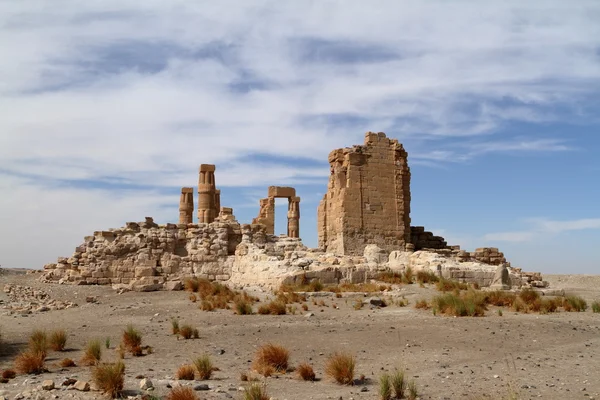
(193, 298)
(519, 305)
(8, 374)
(500, 298)
(447, 285)
(186, 331)
(38, 342)
(182, 393)
(67, 362)
(272, 308)
(305, 372)
(191, 284)
(529, 296)
(408, 275)
(271, 358)
(110, 378)
(30, 362)
(398, 384)
(305, 306)
(175, 326)
(214, 295)
(358, 304)
(92, 353)
(340, 367)
(412, 391)
(422, 304)
(132, 340)
(256, 391)
(242, 307)
(385, 387)
(58, 340)
(470, 304)
(596, 306)
(286, 295)
(204, 366)
(186, 372)
(574, 303)
(206, 305)
(196, 333)
(427, 277)
(390, 277)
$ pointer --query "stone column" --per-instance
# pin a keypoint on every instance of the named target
(294, 217)
(206, 194)
(218, 201)
(266, 215)
(186, 205)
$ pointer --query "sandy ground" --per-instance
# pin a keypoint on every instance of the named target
(553, 356)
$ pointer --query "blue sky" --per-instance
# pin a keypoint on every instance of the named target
(108, 107)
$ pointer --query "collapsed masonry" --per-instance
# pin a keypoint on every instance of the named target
(364, 229)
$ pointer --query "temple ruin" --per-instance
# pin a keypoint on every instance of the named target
(368, 198)
(266, 214)
(363, 229)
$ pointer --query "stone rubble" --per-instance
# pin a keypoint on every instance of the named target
(26, 300)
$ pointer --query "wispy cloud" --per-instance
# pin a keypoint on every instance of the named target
(542, 227)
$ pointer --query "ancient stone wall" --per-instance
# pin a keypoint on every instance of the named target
(488, 255)
(266, 213)
(368, 198)
(186, 206)
(423, 239)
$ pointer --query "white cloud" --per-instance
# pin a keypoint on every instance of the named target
(517, 236)
(142, 92)
(541, 227)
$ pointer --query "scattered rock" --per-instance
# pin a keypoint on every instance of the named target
(201, 387)
(48, 384)
(146, 384)
(82, 386)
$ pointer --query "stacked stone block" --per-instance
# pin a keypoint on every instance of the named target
(423, 239)
(488, 255)
(368, 198)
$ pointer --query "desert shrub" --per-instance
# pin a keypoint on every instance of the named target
(186, 372)
(107, 342)
(92, 353)
(574, 303)
(30, 362)
(191, 284)
(256, 391)
(193, 298)
(175, 326)
(529, 296)
(596, 306)
(422, 304)
(390, 277)
(413, 394)
(519, 305)
(110, 378)
(242, 307)
(196, 333)
(305, 372)
(271, 358)
(470, 304)
(408, 275)
(272, 308)
(38, 342)
(8, 374)
(398, 384)
(427, 277)
(548, 305)
(500, 298)
(58, 340)
(385, 387)
(305, 306)
(204, 366)
(186, 331)
(206, 305)
(447, 285)
(340, 367)
(182, 393)
(286, 295)
(67, 362)
(358, 304)
(132, 340)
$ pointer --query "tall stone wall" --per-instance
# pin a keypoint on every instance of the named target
(368, 198)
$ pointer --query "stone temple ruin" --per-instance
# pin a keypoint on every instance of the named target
(364, 228)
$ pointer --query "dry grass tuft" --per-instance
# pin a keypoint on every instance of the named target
(471, 303)
(390, 277)
(175, 326)
(256, 391)
(427, 277)
(110, 378)
(30, 362)
(242, 307)
(574, 303)
(186, 372)
(305, 372)
(447, 285)
(273, 308)
(38, 342)
(529, 296)
(132, 340)
(271, 358)
(398, 384)
(214, 295)
(58, 340)
(340, 367)
(204, 366)
(182, 393)
(385, 387)
(596, 306)
(412, 391)
(186, 331)
(67, 362)
(8, 374)
(92, 353)
(422, 304)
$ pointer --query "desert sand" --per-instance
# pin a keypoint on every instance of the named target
(527, 356)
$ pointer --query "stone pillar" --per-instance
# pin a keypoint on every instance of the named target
(206, 194)
(218, 201)
(186, 205)
(294, 217)
(266, 215)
